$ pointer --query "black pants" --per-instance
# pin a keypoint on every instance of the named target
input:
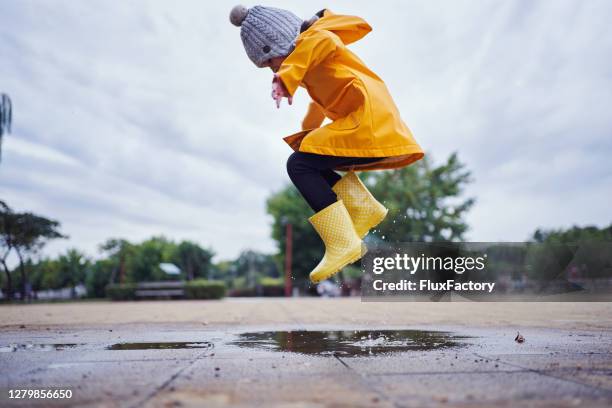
(314, 177)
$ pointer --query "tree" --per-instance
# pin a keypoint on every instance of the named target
(67, 270)
(98, 276)
(32, 234)
(574, 234)
(585, 248)
(251, 266)
(118, 250)
(143, 262)
(73, 267)
(6, 117)
(25, 233)
(45, 275)
(140, 262)
(193, 260)
(8, 228)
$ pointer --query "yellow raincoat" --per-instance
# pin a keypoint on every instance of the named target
(365, 120)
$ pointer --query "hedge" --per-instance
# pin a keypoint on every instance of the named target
(204, 289)
(195, 289)
(266, 286)
(272, 287)
(124, 291)
(246, 292)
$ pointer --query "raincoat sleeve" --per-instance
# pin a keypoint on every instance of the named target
(314, 117)
(309, 51)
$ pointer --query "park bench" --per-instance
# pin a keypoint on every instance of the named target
(160, 289)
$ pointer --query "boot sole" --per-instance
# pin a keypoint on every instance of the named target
(351, 258)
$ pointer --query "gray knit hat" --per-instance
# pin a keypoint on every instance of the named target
(266, 32)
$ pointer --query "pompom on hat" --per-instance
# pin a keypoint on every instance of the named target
(266, 32)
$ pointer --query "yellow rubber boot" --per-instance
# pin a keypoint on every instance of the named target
(342, 244)
(366, 212)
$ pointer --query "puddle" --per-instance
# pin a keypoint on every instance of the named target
(160, 346)
(118, 346)
(42, 347)
(349, 343)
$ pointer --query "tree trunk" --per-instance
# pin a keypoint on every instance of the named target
(121, 268)
(190, 274)
(9, 282)
(113, 275)
(23, 277)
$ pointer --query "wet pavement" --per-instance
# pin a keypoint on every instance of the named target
(193, 365)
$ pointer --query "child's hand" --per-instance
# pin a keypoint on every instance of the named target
(279, 91)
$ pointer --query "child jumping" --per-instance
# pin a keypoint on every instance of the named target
(365, 132)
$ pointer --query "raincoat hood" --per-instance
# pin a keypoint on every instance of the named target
(348, 28)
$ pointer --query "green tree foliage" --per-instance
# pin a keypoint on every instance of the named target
(73, 267)
(25, 234)
(124, 262)
(574, 234)
(98, 276)
(117, 251)
(250, 268)
(8, 227)
(288, 206)
(193, 260)
(140, 262)
(33, 232)
(143, 263)
(44, 274)
(585, 248)
(68, 270)
(425, 204)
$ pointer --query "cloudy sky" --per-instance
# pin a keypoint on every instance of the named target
(142, 118)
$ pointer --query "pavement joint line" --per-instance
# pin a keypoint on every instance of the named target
(129, 361)
(571, 353)
(367, 384)
(544, 373)
(422, 400)
(342, 362)
(168, 381)
(423, 373)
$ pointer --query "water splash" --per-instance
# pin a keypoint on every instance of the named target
(348, 343)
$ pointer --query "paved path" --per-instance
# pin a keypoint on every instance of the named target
(566, 360)
(258, 311)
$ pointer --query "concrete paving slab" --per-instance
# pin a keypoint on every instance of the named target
(310, 391)
(594, 369)
(486, 389)
(429, 363)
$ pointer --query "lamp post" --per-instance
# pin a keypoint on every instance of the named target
(288, 255)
